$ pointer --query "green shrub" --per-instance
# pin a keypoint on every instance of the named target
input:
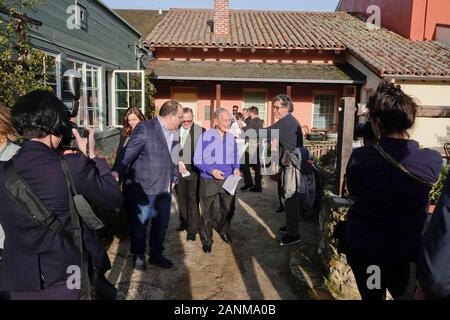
(436, 191)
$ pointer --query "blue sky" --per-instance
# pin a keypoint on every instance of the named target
(306, 5)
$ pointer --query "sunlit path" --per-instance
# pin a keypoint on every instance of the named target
(254, 267)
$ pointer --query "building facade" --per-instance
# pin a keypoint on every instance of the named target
(223, 57)
(424, 26)
(88, 36)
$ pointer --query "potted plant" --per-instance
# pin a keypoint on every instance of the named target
(436, 191)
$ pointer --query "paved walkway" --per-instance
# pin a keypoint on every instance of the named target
(254, 267)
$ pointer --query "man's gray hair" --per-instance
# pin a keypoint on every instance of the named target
(286, 101)
(219, 111)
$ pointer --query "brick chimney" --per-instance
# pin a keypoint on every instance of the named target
(221, 17)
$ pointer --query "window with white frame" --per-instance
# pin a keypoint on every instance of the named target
(128, 92)
(52, 73)
(90, 107)
(323, 111)
(92, 95)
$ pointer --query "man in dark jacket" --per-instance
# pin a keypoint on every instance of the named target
(290, 138)
(254, 124)
(152, 172)
(434, 259)
(187, 188)
(36, 261)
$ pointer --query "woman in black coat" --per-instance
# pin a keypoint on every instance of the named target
(386, 221)
(38, 262)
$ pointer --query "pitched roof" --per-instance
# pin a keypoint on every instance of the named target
(142, 20)
(253, 71)
(383, 51)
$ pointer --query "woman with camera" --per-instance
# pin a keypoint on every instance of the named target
(41, 261)
(391, 181)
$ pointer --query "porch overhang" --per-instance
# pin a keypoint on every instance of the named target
(225, 71)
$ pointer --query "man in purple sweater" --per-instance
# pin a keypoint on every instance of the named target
(217, 158)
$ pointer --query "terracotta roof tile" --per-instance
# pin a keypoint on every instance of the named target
(383, 51)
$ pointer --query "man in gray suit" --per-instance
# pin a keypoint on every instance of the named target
(150, 175)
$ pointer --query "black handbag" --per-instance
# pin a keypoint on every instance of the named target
(101, 288)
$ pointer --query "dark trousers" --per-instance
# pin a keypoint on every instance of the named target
(250, 163)
(187, 195)
(248, 179)
(394, 277)
(141, 209)
(292, 210)
(210, 191)
(280, 191)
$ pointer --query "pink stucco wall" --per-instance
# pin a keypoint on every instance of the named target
(232, 94)
(413, 19)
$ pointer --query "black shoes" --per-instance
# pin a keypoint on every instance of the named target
(161, 261)
(226, 238)
(207, 248)
(280, 209)
(245, 188)
(139, 262)
(181, 227)
(256, 189)
(191, 237)
(283, 230)
(288, 240)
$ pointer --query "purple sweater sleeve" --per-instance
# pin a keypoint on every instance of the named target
(236, 164)
(198, 156)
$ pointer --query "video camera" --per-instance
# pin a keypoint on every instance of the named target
(71, 99)
(365, 131)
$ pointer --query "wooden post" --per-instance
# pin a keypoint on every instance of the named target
(218, 101)
(289, 91)
(344, 147)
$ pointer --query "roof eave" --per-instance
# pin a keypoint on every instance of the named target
(311, 81)
(105, 6)
(417, 78)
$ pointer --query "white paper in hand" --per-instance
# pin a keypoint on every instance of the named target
(187, 173)
(231, 184)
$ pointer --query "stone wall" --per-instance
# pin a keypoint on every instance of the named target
(338, 276)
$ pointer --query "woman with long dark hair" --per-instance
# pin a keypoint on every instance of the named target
(133, 116)
(391, 181)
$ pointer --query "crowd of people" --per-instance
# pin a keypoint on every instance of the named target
(389, 179)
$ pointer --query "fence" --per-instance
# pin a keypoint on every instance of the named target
(319, 150)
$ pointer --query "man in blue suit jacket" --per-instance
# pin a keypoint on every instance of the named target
(150, 172)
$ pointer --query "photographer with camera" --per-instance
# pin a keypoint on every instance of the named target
(391, 180)
(49, 251)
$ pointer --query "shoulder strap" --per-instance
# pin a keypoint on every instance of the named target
(399, 166)
(38, 211)
(85, 293)
(41, 214)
